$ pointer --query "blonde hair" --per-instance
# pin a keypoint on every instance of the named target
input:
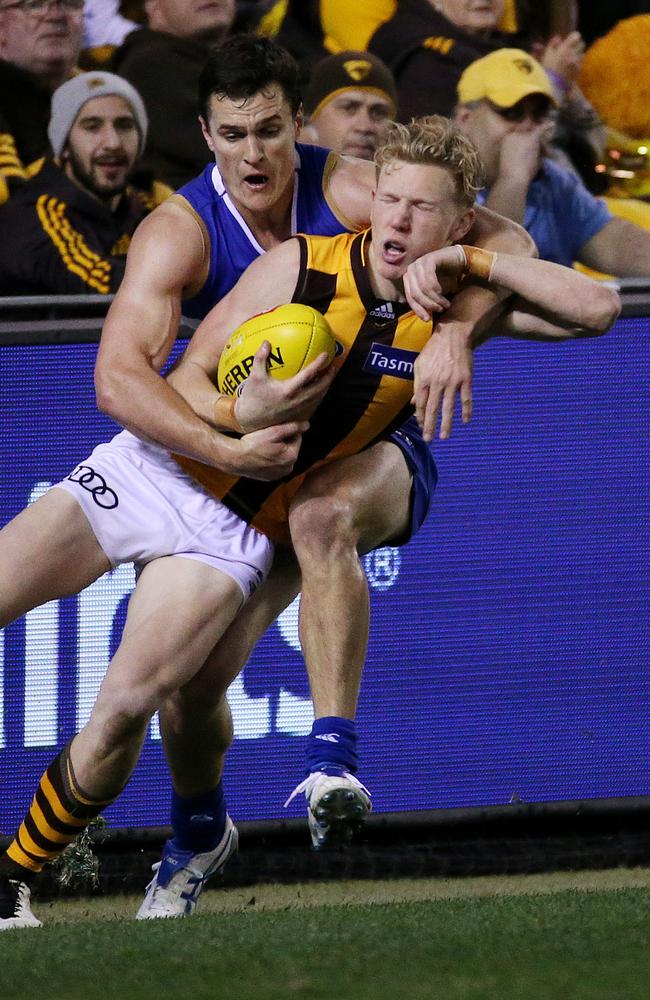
(435, 141)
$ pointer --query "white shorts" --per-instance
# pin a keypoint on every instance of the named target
(141, 505)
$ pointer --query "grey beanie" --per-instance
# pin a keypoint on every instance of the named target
(70, 97)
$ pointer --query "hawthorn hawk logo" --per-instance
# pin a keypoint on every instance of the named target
(524, 65)
(357, 69)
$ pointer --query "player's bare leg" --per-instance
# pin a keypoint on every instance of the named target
(47, 551)
(358, 503)
(178, 610)
(368, 504)
(195, 721)
(196, 726)
(343, 509)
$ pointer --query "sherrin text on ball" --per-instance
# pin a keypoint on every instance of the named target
(297, 335)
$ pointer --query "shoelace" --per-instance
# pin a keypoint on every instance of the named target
(308, 783)
(22, 897)
(194, 877)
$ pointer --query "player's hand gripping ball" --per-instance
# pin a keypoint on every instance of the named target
(297, 335)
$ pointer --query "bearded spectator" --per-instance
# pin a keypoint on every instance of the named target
(68, 228)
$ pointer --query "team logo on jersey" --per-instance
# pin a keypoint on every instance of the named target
(384, 360)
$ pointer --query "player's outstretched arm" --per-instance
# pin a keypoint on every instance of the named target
(268, 282)
(551, 301)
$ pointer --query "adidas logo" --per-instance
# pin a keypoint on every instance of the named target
(328, 737)
(384, 311)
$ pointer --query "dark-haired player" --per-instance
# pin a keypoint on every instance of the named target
(185, 256)
(262, 188)
(425, 189)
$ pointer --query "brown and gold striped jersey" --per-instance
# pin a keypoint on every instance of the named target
(377, 344)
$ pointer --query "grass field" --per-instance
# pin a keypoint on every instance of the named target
(580, 936)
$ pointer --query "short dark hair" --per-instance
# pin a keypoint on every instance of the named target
(244, 65)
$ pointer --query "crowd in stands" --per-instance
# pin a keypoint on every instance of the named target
(99, 120)
(68, 228)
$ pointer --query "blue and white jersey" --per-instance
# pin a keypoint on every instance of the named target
(232, 245)
(561, 214)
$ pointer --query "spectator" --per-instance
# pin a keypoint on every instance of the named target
(39, 47)
(350, 102)
(301, 33)
(68, 228)
(261, 16)
(163, 62)
(505, 102)
(348, 26)
(428, 44)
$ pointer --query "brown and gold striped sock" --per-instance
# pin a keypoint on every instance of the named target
(59, 812)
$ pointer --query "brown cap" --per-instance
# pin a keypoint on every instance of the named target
(348, 70)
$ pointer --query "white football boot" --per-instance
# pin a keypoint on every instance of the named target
(15, 909)
(181, 875)
(337, 807)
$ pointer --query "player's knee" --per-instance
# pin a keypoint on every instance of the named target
(186, 712)
(323, 525)
(119, 721)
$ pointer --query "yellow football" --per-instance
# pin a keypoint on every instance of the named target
(297, 335)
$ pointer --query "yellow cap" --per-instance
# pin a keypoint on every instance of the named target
(504, 77)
